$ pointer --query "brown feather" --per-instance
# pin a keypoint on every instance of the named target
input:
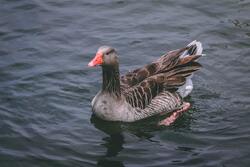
(167, 73)
(163, 64)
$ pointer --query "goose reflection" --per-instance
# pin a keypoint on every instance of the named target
(114, 145)
(114, 142)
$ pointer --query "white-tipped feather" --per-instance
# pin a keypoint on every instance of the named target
(187, 88)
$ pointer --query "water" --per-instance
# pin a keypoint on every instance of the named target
(46, 87)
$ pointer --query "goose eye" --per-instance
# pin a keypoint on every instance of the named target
(112, 50)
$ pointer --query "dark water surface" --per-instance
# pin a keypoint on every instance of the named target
(46, 87)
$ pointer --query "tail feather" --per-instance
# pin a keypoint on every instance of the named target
(195, 48)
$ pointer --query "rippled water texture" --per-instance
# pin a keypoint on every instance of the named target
(46, 86)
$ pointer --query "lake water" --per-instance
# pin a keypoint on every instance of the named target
(46, 87)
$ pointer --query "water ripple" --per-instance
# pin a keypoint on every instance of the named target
(46, 87)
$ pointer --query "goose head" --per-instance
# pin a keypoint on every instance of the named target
(105, 56)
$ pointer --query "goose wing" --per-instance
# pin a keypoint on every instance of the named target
(164, 64)
(168, 73)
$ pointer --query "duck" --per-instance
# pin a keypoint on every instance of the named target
(157, 88)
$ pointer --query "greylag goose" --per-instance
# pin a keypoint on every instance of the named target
(156, 88)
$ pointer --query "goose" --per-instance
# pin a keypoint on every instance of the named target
(155, 89)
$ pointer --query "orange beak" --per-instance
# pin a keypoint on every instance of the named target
(97, 60)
